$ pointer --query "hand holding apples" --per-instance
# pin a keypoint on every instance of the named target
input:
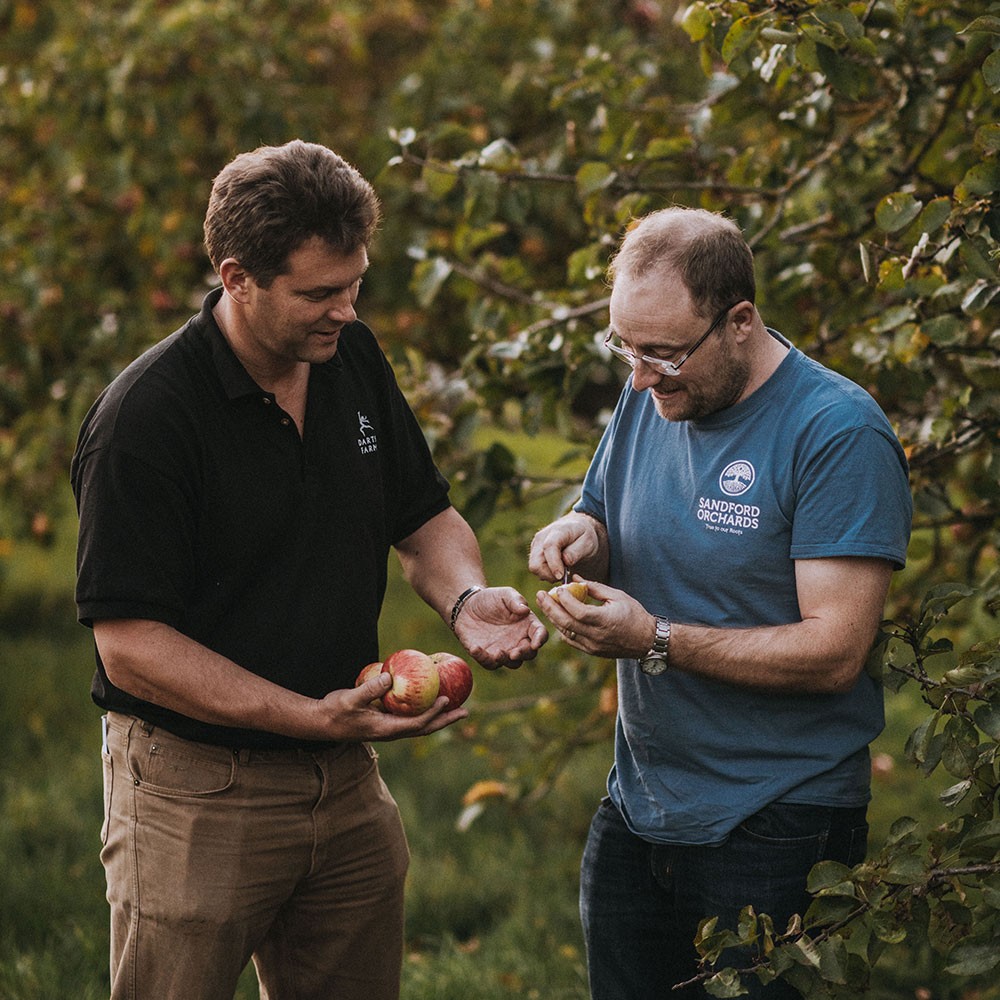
(418, 680)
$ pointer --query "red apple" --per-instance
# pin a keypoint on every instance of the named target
(455, 676)
(372, 670)
(415, 682)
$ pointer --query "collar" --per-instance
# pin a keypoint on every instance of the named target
(236, 380)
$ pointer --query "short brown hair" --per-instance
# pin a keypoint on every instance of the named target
(265, 204)
(706, 249)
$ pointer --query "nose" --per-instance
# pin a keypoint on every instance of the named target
(645, 377)
(342, 308)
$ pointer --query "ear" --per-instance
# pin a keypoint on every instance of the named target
(235, 279)
(742, 317)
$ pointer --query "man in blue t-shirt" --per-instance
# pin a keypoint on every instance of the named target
(739, 525)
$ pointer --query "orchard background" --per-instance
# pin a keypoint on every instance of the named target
(856, 143)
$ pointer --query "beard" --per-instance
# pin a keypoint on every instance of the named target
(721, 387)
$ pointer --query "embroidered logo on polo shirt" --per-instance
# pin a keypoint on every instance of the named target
(368, 442)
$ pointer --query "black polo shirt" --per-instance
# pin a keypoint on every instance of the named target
(201, 507)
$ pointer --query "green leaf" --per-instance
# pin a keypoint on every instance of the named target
(887, 928)
(428, 277)
(906, 869)
(897, 211)
(901, 830)
(833, 960)
(939, 600)
(935, 214)
(662, 148)
(827, 874)
(974, 958)
(945, 330)
(991, 71)
(979, 296)
(805, 952)
(438, 182)
(741, 35)
(951, 797)
(981, 839)
(983, 178)
(988, 719)
(841, 19)
(845, 76)
(919, 741)
(593, 177)
(987, 22)
(988, 138)
(726, 983)
(894, 317)
(697, 21)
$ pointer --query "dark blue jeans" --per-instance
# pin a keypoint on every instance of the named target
(641, 903)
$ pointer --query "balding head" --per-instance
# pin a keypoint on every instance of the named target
(707, 250)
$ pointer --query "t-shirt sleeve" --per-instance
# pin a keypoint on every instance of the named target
(137, 532)
(854, 499)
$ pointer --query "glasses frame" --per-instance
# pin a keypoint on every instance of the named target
(671, 368)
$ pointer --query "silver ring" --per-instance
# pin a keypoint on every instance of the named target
(570, 634)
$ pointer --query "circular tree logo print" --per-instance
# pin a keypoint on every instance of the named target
(737, 478)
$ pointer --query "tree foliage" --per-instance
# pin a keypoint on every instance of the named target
(858, 145)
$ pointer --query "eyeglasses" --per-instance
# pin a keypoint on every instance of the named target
(659, 364)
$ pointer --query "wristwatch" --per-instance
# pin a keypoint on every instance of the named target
(656, 660)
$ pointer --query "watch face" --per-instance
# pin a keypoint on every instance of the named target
(653, 665)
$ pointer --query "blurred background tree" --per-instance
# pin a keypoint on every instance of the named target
(856, 143)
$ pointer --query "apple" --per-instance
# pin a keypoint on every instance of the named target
(415, 682)
(577, 588)
(367, 673)
(455, 677)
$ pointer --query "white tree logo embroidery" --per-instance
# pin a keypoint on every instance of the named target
(737, 478)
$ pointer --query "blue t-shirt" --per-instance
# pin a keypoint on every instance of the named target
(705, 520)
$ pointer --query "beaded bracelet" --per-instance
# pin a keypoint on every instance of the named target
(460, 603)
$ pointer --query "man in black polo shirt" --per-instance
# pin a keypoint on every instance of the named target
(239, 488)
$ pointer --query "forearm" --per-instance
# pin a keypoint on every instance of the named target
(841, 602)
(154, 662)
(800, 657)
(441, 559)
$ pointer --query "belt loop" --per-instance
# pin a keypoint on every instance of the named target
(146, 727)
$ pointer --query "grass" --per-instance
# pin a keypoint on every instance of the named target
(491, 909)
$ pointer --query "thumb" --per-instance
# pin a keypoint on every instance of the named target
(514, 602)
(376, 686)
(601, 591)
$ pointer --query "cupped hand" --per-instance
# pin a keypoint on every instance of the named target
(499, 629)
(348, 714)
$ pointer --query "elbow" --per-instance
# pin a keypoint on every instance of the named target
(840, 674)
(116, 643)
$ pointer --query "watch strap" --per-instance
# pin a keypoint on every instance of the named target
(661, 640)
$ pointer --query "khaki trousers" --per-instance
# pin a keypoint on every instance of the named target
(295, 859)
